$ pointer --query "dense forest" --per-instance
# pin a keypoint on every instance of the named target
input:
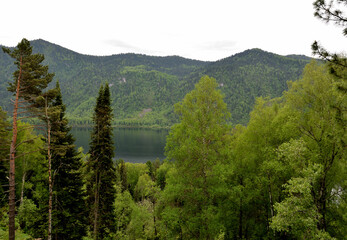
(145, 88)
(280, 176)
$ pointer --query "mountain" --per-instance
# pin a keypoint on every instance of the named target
(145, 88)
(251, 74)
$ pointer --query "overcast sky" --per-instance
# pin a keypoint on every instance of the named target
(197, 29)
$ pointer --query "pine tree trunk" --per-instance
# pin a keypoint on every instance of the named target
(96, 206)
(12, 183)
(49, 177)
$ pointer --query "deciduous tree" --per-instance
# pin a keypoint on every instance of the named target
(199, 147)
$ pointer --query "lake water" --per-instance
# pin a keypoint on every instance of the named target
(132, 145)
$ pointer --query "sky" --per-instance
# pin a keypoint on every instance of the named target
(196, 29)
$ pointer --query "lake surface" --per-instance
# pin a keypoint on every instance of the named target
(132, 145)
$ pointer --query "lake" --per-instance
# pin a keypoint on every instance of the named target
(131, 144)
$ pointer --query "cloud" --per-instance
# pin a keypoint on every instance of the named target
(225, 45)
(129, 48)
(123, 45)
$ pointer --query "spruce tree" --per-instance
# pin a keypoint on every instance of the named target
(69, 215)
(29, 81)
(102, 174)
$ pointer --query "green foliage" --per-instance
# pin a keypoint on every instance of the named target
(134, 171)
(27, 215)
(332, 11)
(141, 225)
(248, 75)
(297, 214)
(136, 212)
(124, 206)
(122, 173)
(198, 145)
(315, 99)
(31, 182)
(33, 75)
(161, 174)
(145, 187)
(4, 151)
(283, 138)
(19, 235)
(258, 175)
(69, 214)
(29, 156)
(101, 178)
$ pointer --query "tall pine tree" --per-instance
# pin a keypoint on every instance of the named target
(102, 175)
(69, 215)
(29, 81)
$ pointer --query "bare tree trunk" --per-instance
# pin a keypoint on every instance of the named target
(12, 183)
(50, 185)
(96, 206)
(22, 189)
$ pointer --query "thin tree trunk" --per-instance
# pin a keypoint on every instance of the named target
(24, 164)
(154, 221)
(96, 207)
(12, 190)
(22, 189)
(270, 201)
(271, 204)
(321, 203)
(49, 178)
(241, 211)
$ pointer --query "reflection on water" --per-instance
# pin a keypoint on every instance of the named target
(132, 145)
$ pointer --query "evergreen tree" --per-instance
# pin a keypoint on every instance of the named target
(102, 174)
(330, 11)
(69, 218)
(122, 173)
(29, 81)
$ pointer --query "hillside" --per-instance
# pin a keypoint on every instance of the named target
(251, 74)
(145, 88)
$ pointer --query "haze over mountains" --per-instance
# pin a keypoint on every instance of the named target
(145, 88)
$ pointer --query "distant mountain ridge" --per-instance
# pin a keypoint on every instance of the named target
(138, 82)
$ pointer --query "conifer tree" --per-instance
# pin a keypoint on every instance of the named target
(69, 218)
(102, 174)
(29, 81)
(331, 12)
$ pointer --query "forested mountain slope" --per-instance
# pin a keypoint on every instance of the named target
(145, 88)
(251, 74)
